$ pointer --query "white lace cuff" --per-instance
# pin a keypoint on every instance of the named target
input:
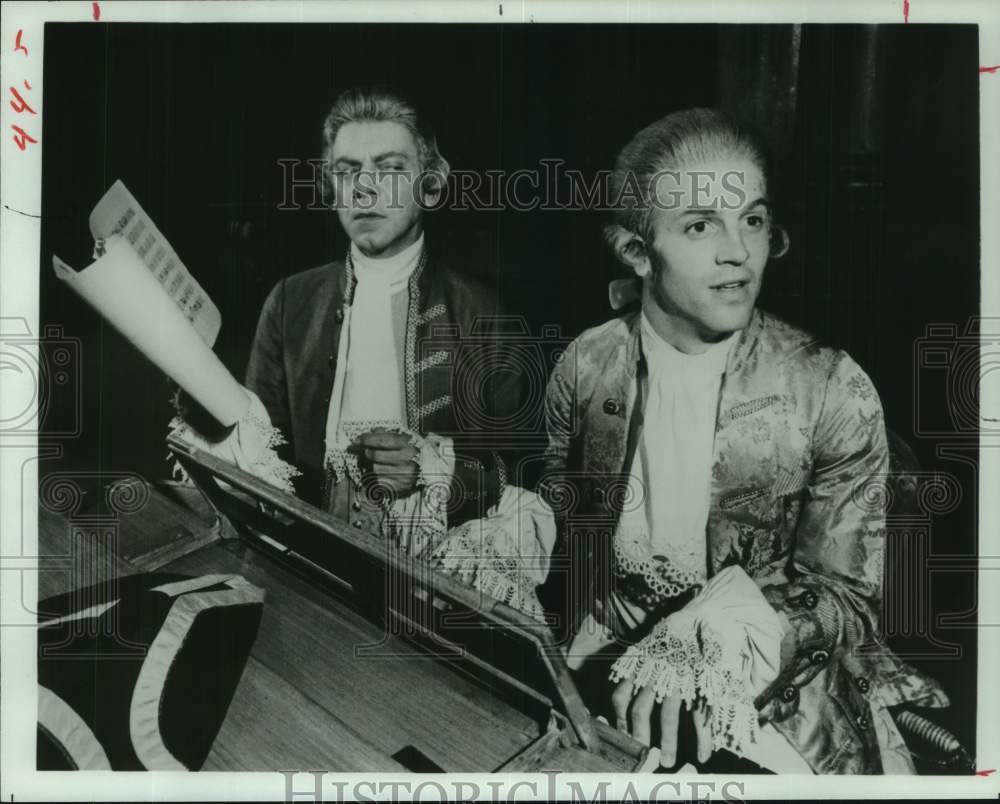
(497, 577)
(420, 519)
(682, 658)
(506, 554)
(723, 648)
(250, 445)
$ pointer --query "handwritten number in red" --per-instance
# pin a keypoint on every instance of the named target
(22, 104)
(22, 137)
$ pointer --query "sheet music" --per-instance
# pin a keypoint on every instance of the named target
(119, 215)
(122, 289)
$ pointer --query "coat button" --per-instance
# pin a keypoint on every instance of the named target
(339, 315)
(809, 599)
(356, 505)
(598, 495)
(357, 523)
(862, 684)
(789, 693)
(330, 360)
(612, 407)
(819, 657)
(862, 722)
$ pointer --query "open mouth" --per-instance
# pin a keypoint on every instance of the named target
(364, 216)
(739, 283)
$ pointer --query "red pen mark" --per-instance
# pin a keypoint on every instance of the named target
(906, 11)
(22, 137)
(986, 772)
(24, 105)
(27, 84)
(989, 69)
(17, 42)
(97, 11)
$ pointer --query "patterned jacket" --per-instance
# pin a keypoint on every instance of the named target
(449, 318)
(797, 500)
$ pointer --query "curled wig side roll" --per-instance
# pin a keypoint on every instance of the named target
(779, 242)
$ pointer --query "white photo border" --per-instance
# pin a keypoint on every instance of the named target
(19, 307)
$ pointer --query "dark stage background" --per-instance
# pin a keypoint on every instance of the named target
(875, 130)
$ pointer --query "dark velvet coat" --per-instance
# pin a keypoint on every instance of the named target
(450, 323)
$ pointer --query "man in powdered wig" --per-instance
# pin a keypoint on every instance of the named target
(737, 464)
(339, 360)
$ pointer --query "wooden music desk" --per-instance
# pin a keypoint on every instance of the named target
(327, 685)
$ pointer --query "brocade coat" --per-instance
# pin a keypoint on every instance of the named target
(797, 499)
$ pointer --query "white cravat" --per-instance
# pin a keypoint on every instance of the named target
(366, 389)
(672, 468)
(367, 394)
(672, 471)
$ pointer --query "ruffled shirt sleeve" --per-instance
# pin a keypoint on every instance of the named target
(250, 445)
(505, 554)
(724, 647)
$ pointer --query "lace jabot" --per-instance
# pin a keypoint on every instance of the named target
(659, 545)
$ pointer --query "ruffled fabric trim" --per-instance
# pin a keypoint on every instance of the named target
(251, 446)
(678, 658)
(721, 649)
(666, 576)
(413, 523)
(488, 572)
(341, 461)
(418, 520)
(506, 554)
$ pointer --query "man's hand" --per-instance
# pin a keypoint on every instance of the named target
(642, 702)
(392, 459)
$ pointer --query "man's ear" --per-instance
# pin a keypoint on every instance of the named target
(629, 248)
